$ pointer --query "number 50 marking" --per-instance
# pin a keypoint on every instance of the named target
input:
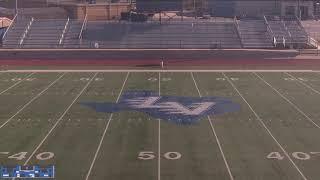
(148, 155)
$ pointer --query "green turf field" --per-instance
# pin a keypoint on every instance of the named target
(274, 135)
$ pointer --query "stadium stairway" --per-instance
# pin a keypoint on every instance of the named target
(280, 32)
(71, 39)
(313, 28)
(298, 34)
(15, 32)
(254, 34)
(44, 33)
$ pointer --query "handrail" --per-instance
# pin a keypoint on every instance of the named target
(5, 33)
(64, 31)
(26, 31)
(311, 41)
(84, 23)
(270, 32)
(287, 30)
(236, 24)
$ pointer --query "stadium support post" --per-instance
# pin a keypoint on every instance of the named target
(16, 8)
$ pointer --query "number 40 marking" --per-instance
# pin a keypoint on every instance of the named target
(41, 156)
(297, 155)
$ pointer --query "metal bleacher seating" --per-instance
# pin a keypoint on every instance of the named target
(172, 34)
(34, 33)
(313, 28)
(44, 33)
(298, 34)
(290, 31)
(254, 34)
(15, 32)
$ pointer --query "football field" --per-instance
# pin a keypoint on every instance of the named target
(163, 125)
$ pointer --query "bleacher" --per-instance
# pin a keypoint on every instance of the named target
(254, 34)
(44, 33)
(298, 34)
(280, 31)
(313, 28)
(15, 32)
(174, 34)
(290, 32)
(208, 34)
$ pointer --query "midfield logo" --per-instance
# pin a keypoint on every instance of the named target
(179, 110)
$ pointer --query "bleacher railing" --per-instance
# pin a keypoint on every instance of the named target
(84, 24)
(310, 40)
(26, 31)
(270, 32)
(6, 32)
(236, 23)
(64, 31)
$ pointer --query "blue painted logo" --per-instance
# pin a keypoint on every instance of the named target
(179, 110)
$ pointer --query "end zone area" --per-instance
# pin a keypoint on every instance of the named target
(158, 124)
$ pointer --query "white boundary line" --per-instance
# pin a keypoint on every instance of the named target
(290, 102)
(34, 98)
(306, 85)
(164, 70)
(54, 126)
(159, 135)
(215, 134)
(266, 128)
(16, 83)
(105, 130)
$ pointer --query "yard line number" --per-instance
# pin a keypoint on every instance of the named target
(22, 155)
(149, 155)
(297, 155)
(19, 79)
(224, 79)
(294, 79)
(153, 79)
(88, 79)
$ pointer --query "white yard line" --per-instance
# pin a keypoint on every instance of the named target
(266, 128)
(16, 83)
(215, 134)
(105, 130)
(34, 98)
(64, 113)
(290, 102)
(306, 85)
(164, 70)
(159, 134)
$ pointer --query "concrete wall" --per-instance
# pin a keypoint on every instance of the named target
(97, 11)
(259, 7)
(253, 8)
(287, 3)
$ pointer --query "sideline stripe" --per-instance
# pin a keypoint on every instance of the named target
(54, 126)
(165, 70)
(34, 98)
(306, 85)
(16, 83)
(266, 128)
(159, 135)
(215, 134)
(105, 131)
(290, 102)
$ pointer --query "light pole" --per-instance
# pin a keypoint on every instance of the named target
(299, 10)
(16, 9)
